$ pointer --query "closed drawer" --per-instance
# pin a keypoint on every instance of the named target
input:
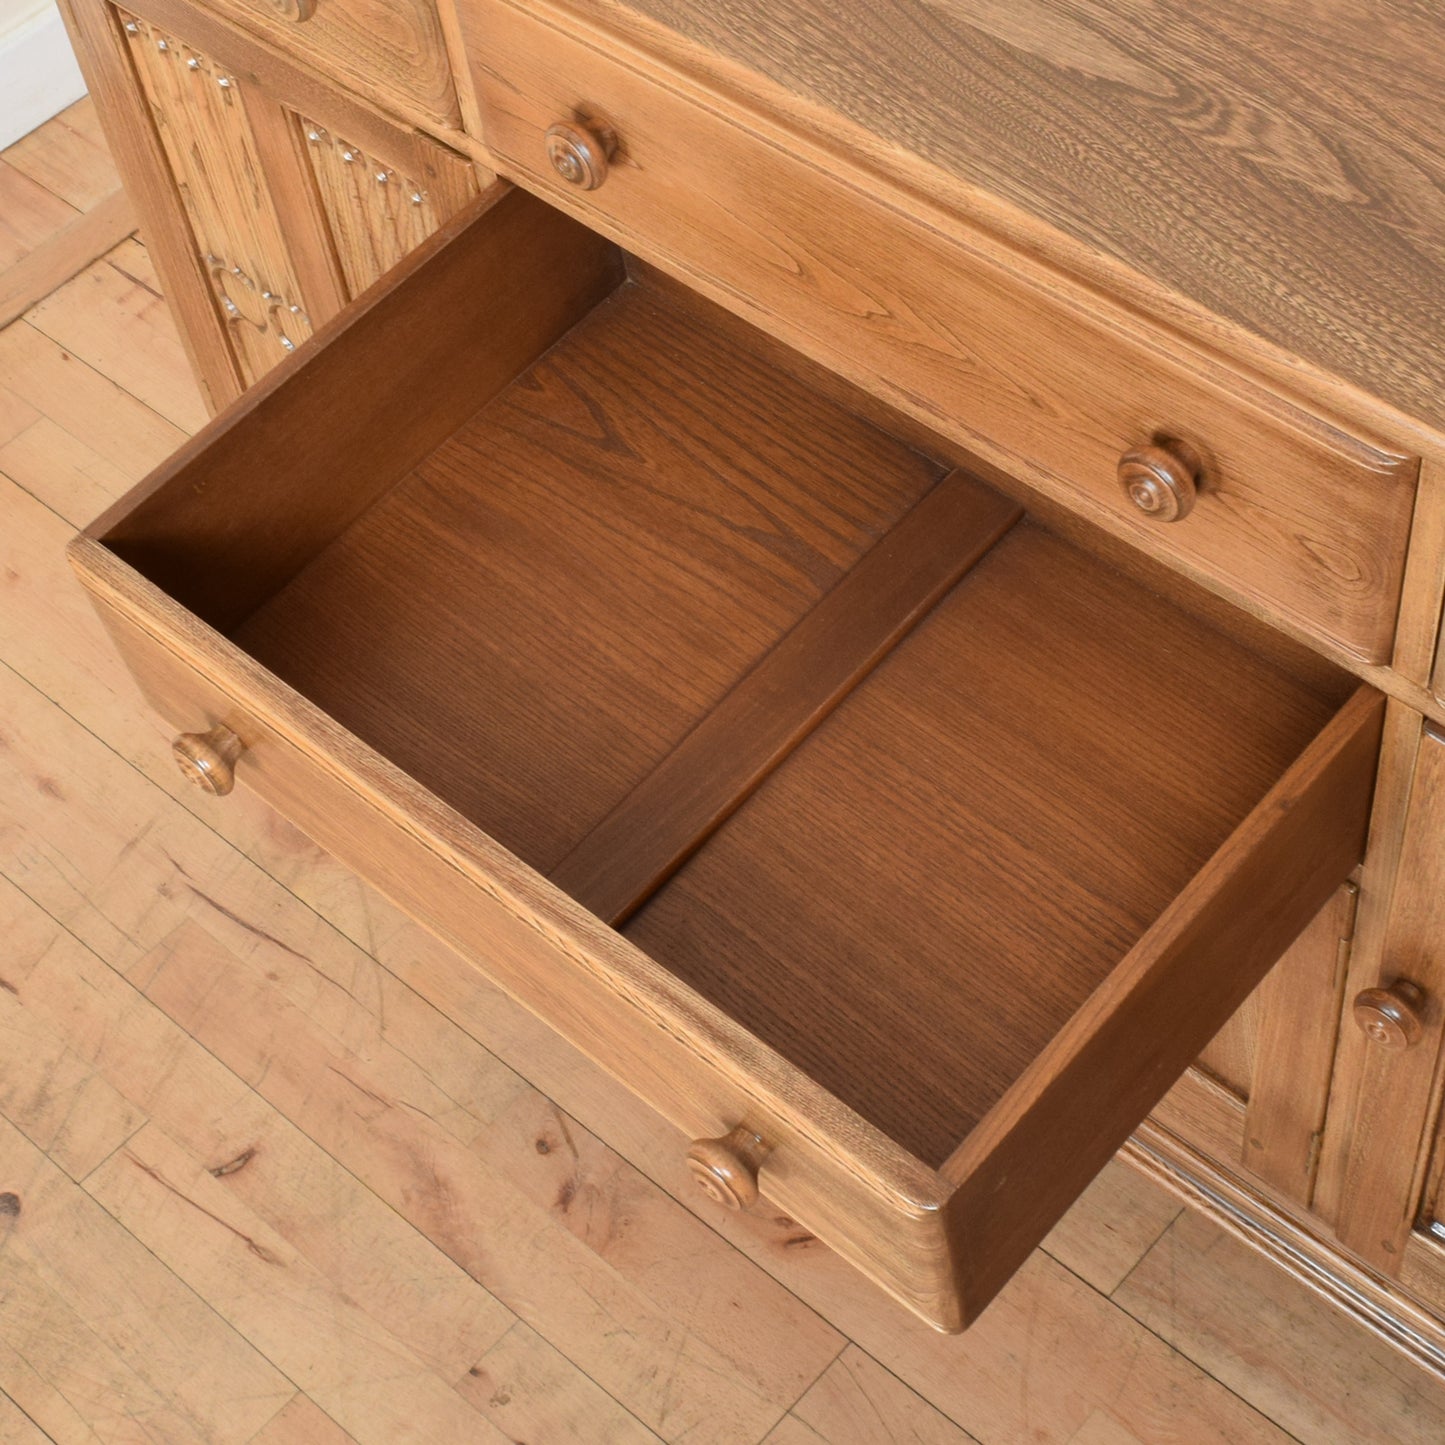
(391, 52)
(1292, 515)
(840, 810)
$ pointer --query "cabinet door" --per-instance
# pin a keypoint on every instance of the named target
(270, 199)
(377, 206)
(200, 114)
(1256, 1099)
(1389, 1065)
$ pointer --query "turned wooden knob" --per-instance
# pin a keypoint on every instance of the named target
(726, 1169)
(1161, 479)
(1392, 1017)
(579, 154)
(208, 759)
(297, 10)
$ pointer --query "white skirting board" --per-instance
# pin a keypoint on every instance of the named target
(38, 75)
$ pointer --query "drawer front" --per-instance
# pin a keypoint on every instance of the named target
(560, 963)
(1293, 516)
(389, 51)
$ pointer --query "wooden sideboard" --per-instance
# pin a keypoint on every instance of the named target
(890, 589)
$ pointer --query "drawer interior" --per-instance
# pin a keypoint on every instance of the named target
(534, 617)
(965, 848)
(853, 746)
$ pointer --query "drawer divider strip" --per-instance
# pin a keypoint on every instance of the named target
(651, 833)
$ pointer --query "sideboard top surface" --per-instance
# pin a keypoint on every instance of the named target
(1283, 166)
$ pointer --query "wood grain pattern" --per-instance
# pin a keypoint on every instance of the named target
(396, 51)
(285, 171)
(1300, 1003)
(140, 157)
(310, 460)
(1088, 1082)
(1281, 169)
(1295, 514)
(599, 552)
(772, 708)
(71, 249)
(378, 206)
(201, 118)
(922, 823)
(1380, 1190)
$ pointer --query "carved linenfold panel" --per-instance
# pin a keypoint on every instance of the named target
(380, 207)
(203, 126)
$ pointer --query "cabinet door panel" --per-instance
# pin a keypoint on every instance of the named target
(1395, 1081)
(280, 228)
(378, 206)
(201, 118)
(1257, 1097)
(1298, 1027)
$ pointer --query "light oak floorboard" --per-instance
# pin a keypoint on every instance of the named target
(116, 1335)
(40, 375)
(68, 156)
(532, 1392)
(55, 466)
(16, 1427)
(1278, 1344)
(301, 1422)
(48, 1090)
(1102, 1429)
(72, 1000)
(857, 1402)
(1112, 1226)
(29, 214)
(16, 414)
(112, 317)
(363, 1376)
(85, 238)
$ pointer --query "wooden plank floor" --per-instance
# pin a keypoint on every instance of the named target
(276, 1167)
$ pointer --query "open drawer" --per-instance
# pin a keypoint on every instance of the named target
(896, 846)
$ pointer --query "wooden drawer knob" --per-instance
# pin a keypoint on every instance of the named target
(297, 10)
(726, 1169)
(1161, 479)
(208, 759)
(578, 154)
(1392, 1017)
